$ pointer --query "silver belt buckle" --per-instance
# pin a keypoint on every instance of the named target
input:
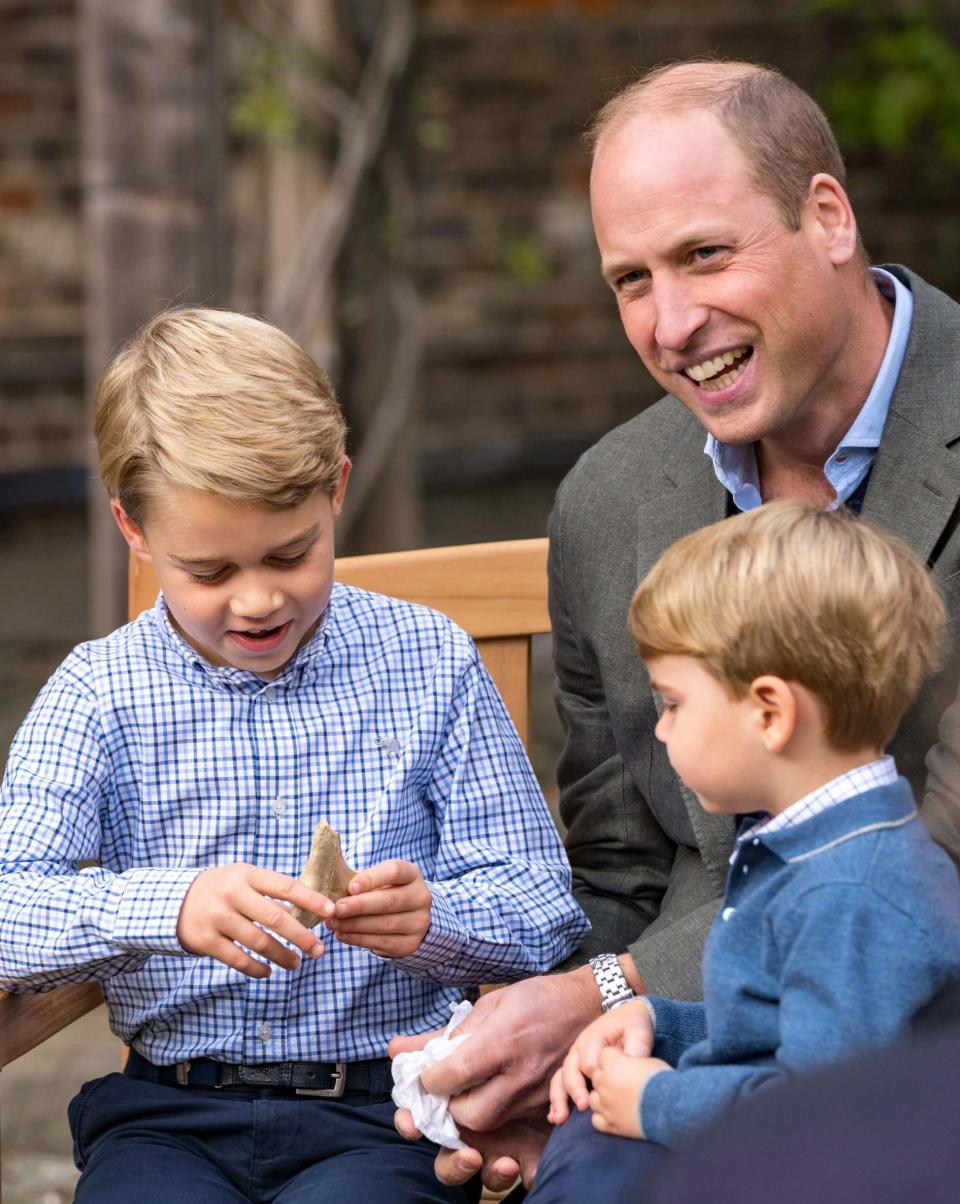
(334, 1092)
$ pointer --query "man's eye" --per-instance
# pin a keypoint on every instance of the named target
(634, 277)
(703, 253)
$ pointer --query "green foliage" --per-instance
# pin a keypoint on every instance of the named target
(525, 259)
(898, 89)
(263, 105)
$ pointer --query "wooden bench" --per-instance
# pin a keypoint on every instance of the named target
(495, 591)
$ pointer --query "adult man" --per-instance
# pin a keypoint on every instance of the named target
(730, 244)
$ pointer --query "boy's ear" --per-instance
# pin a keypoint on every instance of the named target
(130, 531)
(341, 490)
(775, 711)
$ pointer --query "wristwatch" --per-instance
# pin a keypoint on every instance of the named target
(614, 988)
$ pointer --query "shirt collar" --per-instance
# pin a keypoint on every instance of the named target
(735, 464)
(882, 772)
(874, 808)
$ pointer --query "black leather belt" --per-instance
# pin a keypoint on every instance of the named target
(324, 1080)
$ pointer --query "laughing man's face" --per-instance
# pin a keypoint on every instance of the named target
(731, 311)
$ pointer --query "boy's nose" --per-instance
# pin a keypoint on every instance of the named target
(256, 602)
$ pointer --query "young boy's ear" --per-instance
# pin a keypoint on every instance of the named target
(775, 711)
(340, 492)
(130, 531)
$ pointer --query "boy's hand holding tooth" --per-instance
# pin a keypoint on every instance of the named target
(231, 908)
(386, 910)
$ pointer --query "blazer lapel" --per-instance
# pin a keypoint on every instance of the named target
(914, 486)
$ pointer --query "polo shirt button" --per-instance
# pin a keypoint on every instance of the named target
(727, 913)
(264, 1033)
(746, 869)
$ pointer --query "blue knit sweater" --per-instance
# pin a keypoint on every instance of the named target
(832, 934)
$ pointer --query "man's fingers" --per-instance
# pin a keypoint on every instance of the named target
(459, 1071)
(454, 1167)
(403, 1123)
(500, 1173)
(404, 1044)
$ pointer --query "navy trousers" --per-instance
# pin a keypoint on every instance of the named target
(138, 1142)
(580, 1164)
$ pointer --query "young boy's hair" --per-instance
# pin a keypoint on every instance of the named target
(815, 597)
(219, 402)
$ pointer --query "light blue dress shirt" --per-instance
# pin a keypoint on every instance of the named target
(736, 463)
(140, 755)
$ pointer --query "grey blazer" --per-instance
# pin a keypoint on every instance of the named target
(649, 863)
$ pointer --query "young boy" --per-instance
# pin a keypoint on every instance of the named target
(785, 644)
(190, 755)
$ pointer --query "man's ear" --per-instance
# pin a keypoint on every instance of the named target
(133, 534)
(340, 492)
(829, 206)
(774, 707)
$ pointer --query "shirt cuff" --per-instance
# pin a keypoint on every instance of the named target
(146, 914)
(437, 955)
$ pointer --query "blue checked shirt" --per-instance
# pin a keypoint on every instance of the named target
(141, 756)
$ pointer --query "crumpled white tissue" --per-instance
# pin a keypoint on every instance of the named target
(430, 1112)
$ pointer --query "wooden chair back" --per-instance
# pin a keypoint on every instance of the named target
(495, 591)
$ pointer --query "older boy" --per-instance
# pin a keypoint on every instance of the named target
(191, 754)
(785, 645)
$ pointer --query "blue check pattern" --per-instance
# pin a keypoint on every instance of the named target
(140, 756)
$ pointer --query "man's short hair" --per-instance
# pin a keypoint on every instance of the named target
(781, 130)
(815, 597)
(219, 402)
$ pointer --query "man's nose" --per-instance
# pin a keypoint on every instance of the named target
(254, 599)
(679, 315)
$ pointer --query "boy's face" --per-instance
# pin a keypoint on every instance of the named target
(712, 738)
(245, 583)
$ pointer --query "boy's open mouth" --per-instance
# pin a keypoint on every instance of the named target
(722, 370)
(261, 638)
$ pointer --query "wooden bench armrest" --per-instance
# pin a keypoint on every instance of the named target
(28, 1020)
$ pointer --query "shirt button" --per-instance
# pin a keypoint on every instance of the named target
(756, 840)
(268, 694)
(746, 869)
(279, 808)
(264, 1033)
(727, 913)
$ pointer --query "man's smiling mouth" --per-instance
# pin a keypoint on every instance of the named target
(722, 370)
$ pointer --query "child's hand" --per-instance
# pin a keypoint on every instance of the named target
(387, 910)
(627, 1028)
(229, 906)
(618, 1082)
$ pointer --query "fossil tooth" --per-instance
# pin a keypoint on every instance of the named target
(325, 871)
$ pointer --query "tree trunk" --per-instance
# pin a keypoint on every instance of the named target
(153, 187)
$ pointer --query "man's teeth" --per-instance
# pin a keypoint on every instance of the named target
(705, 373)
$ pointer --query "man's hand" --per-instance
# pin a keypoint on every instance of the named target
(386, 911)
(228, 908)
(628, 1029)
(519, 1035)
(618, 1083)
(500, 1156)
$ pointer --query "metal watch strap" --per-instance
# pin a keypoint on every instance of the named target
(614, 988)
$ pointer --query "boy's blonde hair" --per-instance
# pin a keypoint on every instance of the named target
(815, 597)
(219, 402)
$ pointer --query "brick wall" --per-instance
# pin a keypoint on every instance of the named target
(525, 360)
(41, 271)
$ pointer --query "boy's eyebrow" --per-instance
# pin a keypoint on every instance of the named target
(307, 536)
